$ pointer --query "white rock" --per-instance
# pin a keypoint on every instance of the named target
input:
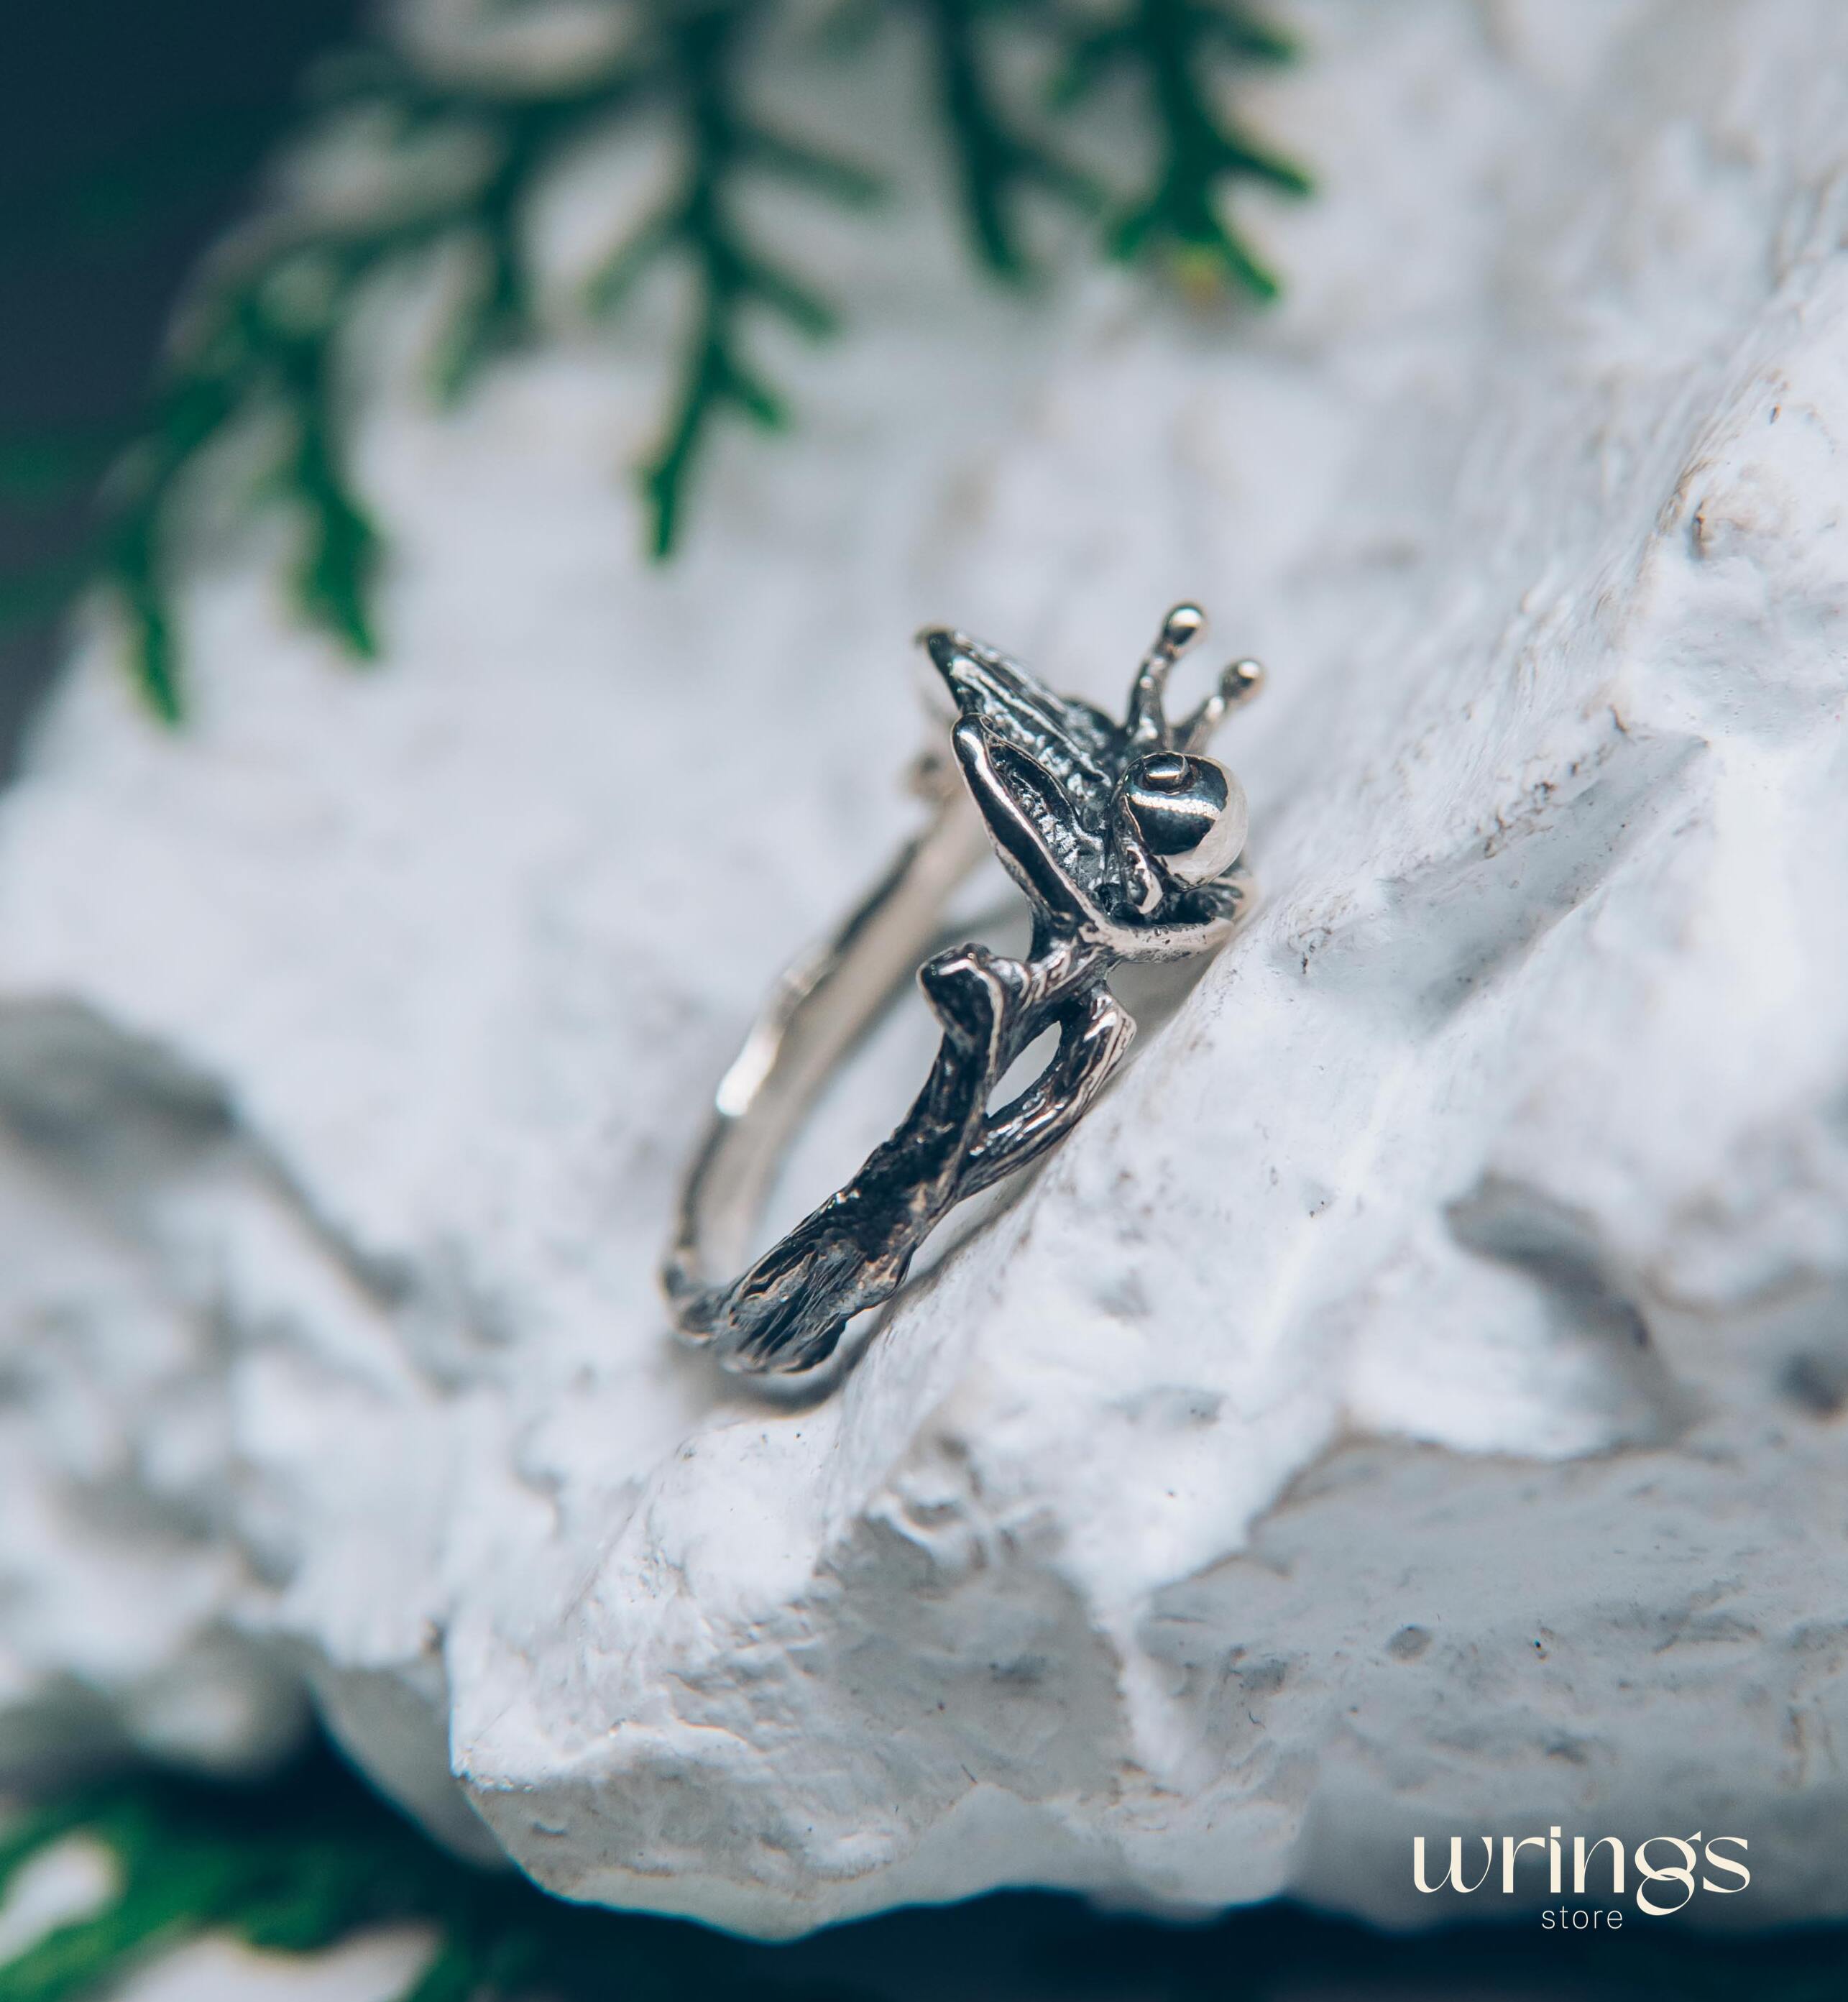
(1407, 1405)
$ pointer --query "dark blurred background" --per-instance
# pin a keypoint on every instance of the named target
(129, 131)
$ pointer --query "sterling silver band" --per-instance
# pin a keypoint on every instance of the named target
(1125, 839)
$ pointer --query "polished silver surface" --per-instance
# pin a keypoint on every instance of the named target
(1125, 839)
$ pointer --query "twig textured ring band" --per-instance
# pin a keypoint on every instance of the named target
(1125, 837)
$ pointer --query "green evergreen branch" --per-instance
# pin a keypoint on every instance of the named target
(996, 162)
(309, 1858)
(808, 166)
(334, 584)
(251, 348)
(265, 335)
(264, 331)
(302, 1862)
(702, 224)
(1175, 47)
(497, 317)
(528, 132)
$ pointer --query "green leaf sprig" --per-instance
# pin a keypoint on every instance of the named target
(307, 1859)
(263, 332)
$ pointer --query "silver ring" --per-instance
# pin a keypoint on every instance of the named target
(1126, 839)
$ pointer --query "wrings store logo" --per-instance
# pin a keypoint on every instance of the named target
(1661, 1886)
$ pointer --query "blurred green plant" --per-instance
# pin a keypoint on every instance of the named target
(262, 331)
(308, 1858)
(302, 1863)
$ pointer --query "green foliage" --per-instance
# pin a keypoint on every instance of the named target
(263, 334)
(997, 160)
(721, 141)
(303, 1861)
(1174, 46)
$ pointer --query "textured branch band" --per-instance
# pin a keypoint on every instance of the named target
(1125, 839)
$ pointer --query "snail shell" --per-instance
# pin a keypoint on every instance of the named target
(1189, 811)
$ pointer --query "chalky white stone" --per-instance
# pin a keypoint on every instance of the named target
(1410, 1404)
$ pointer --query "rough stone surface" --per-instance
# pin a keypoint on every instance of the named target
(1411, 1402)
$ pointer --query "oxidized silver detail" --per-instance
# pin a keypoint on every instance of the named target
(1125, 837)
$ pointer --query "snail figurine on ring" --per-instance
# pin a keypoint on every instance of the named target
(1125, 837)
